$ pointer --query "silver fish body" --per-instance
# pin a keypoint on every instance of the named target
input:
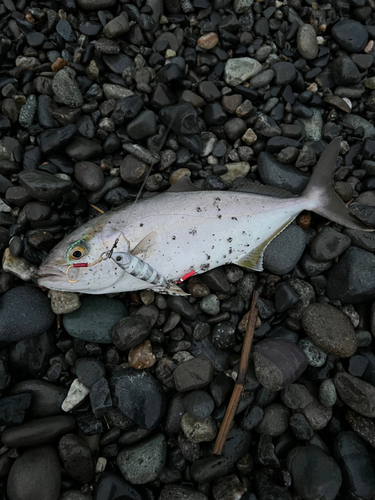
(178, 232)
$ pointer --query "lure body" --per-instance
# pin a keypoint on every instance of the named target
(138, 268)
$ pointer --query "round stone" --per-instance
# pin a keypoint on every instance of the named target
(199, 404)
(89, 175)
(238, 70)
(315, 474)
(357, 394)
(142, 462)
(350, 35)
(25, 313)
(94, 320)
(329, 329)
(139, 396)
(306, 42)
(198, 430)
(283, 253)
(36, 474)
(275, 420)
(278, 363)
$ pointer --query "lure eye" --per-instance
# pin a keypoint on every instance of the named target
(77, 252)
(118, 258)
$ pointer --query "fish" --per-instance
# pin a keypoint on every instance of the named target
(158, 242)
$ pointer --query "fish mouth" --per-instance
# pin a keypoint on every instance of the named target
(49, 272)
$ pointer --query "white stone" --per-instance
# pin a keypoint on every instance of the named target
(241, 69)
(112, 91)
(101, 464)
(237, 169)
(147, 296)
(18, 266)
(77, 393)
(64, 302)
(4, 207)
(5, 154)
(198, 431)
(249, 137)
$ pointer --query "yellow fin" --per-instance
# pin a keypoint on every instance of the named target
(146, 246)
(254, 259)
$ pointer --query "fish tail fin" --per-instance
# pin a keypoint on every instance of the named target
(320, 194)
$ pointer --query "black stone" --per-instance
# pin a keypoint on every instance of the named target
(352, 279)
(44, 186)
(111, 487)
(314, 473)
(12, 408)
(30, 358)
(131, 331)
(53, 139)
(38, 431)
(25, 312)
(139, 396)
(100, 397)
(89, 371)
(183, 117)
(350, 35)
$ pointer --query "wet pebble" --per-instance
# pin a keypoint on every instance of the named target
(283, 253)
(142, 462)
(76, 457)
(278, 363)
(199, 404)
(25, 313)
(356, 393)
(329, 329)
(314, 474)
(36, 473)
(94, 320)
(193, 374)
(139, 396)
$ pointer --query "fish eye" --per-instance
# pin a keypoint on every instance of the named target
(77, 252)
(118, 258)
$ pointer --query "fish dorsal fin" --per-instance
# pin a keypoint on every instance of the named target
(170, 289)
(247, 186)
(254, 259)
(146, 246)
(183, 185)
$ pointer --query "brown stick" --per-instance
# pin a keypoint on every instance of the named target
(238, 388)
(97, 209)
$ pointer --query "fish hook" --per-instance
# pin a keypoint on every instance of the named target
(67, 275)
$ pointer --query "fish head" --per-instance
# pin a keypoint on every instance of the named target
(81, 261)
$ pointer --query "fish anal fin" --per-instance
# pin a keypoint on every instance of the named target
(183, 185)
(170, 289)
(146, 246)
(246, 186)
(254, 259)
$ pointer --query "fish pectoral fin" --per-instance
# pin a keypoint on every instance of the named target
(246, 186)
(254, 259)
(183, 185)
(146, 247)
(170, 289)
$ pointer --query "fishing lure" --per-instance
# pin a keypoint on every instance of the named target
(138, 268)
